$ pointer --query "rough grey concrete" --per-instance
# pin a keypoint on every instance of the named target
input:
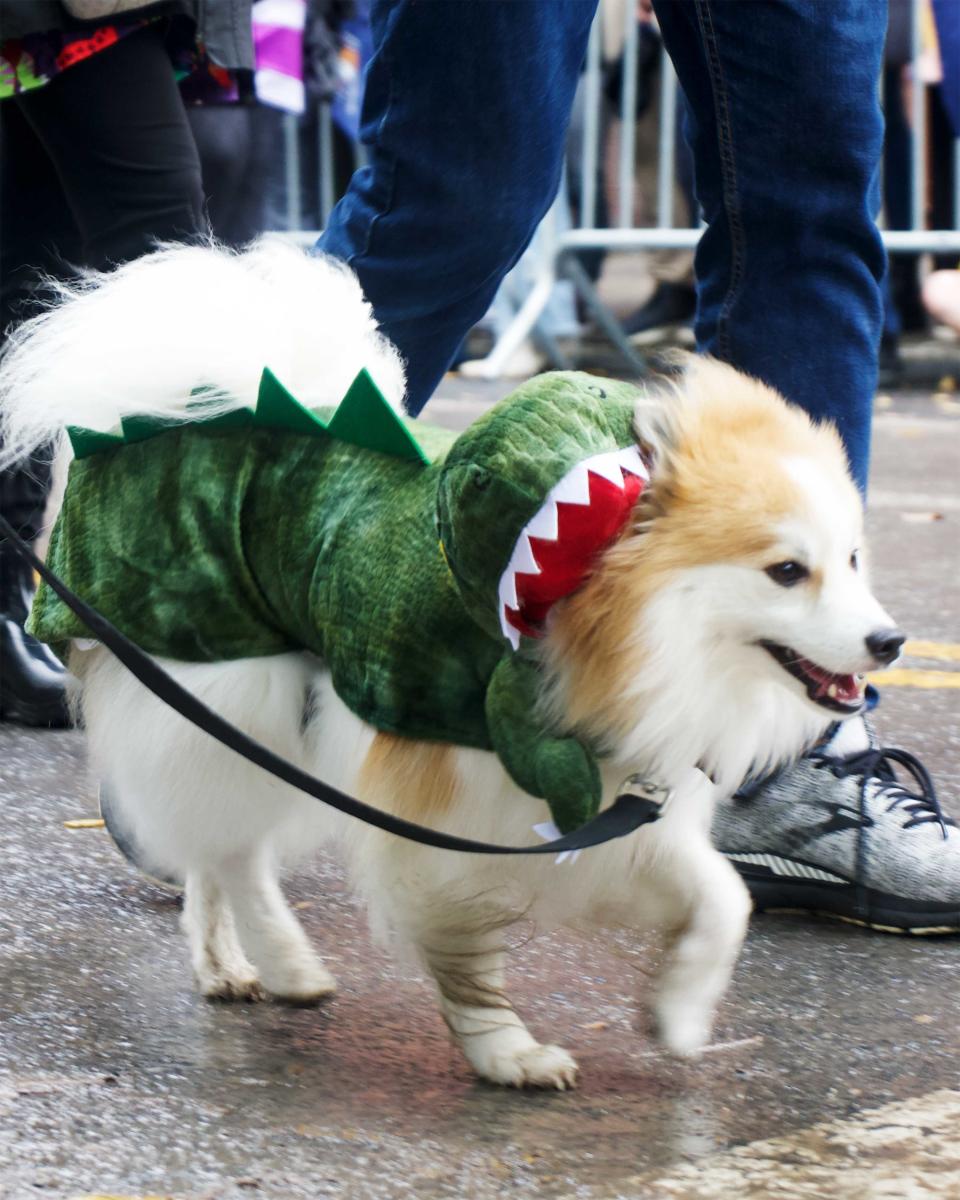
(116, 1078)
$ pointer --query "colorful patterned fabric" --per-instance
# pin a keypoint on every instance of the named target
(33, 60)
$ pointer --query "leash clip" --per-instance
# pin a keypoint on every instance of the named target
(657, 795)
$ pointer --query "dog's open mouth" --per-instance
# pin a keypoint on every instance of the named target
(841, 693)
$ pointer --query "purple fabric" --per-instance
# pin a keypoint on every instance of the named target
(279, 49)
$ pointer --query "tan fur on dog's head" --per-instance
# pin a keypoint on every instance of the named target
(735, 469)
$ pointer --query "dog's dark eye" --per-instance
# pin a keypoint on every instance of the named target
(787, 573)
(855, 560)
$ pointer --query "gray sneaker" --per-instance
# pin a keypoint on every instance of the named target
(839, 834)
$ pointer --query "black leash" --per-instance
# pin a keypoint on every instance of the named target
(627, 813)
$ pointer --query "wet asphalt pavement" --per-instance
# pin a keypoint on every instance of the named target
(117, 1079)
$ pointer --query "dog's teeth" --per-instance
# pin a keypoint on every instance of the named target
(832, 691)
(545, 524)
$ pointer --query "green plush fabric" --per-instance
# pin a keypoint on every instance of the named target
(561, 769)
(500, 470)
(216, 541)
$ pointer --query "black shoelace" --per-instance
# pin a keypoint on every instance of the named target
(878, 766)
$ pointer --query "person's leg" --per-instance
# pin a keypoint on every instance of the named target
(37, 236)
(241, 154)
(786, 132)
(465, 114)
(786, 137)
(115, 128)
(110, 137)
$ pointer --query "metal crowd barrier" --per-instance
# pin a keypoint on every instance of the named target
(561, 249)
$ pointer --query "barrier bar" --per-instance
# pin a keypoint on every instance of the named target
(591, 130)
(666, 154)
(918, 123)
(628, 117)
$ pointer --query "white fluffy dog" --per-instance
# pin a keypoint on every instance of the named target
(720, 634)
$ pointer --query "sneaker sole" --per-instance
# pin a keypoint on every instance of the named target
(840, 900)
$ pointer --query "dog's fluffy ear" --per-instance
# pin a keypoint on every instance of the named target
(656, 428)
(658, 422)
(658, 414)
(655, 425)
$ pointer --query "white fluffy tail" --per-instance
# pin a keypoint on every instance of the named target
(139, 339)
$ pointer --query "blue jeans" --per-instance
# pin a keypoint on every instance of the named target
(465, 114)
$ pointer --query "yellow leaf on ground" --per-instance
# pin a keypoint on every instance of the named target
(89, 823)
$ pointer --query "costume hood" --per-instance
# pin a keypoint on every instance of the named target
(532, 492)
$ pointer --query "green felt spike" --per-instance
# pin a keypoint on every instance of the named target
(366, 419)
(278, 409)
(204, 398)
(139, 429)
(237, 418)
(88, 441)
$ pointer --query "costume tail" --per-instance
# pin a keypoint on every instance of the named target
(140, 339)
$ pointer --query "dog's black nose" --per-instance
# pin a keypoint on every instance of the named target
(884, 644)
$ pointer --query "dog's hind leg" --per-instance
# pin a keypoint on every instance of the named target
(270, 934)
(468, 968)
(222, 970)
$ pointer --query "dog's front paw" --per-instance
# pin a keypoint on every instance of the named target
(535, 1067)
(683, 1030)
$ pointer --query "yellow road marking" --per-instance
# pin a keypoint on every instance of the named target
(915, 677)
(944, 651)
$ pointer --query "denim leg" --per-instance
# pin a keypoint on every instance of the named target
(465, 113)
(786, 131)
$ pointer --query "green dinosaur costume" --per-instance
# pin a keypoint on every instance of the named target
(419, 566)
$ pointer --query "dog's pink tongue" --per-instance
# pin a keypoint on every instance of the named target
(845, 686)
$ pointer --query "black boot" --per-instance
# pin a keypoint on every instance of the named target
(32, 679)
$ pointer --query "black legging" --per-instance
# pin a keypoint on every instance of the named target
(94, 168)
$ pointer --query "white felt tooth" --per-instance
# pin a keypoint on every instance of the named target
(574, 488)
(512, 635)
(508, 588)
(631, 460)
(522, 560)
(504, 623)
(545, 524)
(607, 466)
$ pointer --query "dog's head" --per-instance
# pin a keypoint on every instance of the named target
(745, 557)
